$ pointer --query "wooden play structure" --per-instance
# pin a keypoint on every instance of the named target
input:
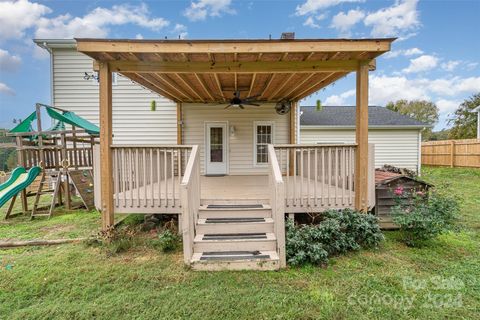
(65, 155)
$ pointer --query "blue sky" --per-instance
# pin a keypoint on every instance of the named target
(437, 55)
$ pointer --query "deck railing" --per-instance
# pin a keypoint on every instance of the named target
(317, 176)
(190, 198)
(277, 203)
(147, 178)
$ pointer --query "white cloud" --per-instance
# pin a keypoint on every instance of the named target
(202, 9)
(312, 21)
(384, 89)
(394, 20)
(341, 99)
(447, 106)
(422, 63)
(8, 62)
(450, 65)
(180, 30)
(405, 52)
(18, 16)
(312, 6)
(139, 36)
(95, 24)
(4, 89)
(345, 21)
(412, 52)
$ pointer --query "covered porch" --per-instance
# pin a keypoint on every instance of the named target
(297, 178)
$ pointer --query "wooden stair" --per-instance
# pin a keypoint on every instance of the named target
(235, 237)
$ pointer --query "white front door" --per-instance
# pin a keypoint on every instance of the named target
(216, 155)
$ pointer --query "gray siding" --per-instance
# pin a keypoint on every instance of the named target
(133, 122)
(395, 147)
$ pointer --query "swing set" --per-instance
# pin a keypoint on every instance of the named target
(64, 155)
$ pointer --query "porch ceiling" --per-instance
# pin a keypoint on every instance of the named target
(212, 70)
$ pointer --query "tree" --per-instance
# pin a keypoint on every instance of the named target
(421, 110)
(464, 121)
(440, 135)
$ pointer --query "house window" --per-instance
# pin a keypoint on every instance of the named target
(96, 79)
(263, 135)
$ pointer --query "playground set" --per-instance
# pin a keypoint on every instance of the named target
(55, 162)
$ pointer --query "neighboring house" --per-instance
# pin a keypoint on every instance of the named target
(230, 169)
(397, 138)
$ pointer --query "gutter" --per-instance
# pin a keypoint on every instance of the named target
(56, 43)
(386, 127)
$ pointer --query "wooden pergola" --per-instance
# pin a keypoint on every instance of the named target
(210, 71)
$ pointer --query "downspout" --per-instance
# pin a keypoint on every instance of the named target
(45, 46)
(419, 165)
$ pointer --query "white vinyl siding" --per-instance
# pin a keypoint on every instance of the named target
(241, 142)
(133, 121)
(399, 148)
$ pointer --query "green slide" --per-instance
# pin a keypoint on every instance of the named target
(19, 180)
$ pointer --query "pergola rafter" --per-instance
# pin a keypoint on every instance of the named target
(211, 71)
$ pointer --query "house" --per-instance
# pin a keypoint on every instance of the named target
(397, 138)
(235, 167)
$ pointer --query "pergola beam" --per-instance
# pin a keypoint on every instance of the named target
(234, 67)
(233, 46)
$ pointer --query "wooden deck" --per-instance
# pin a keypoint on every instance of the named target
(252, 189)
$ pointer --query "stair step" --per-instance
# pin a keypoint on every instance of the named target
(262, 212)
(234, 201)
(221, 243)
(232, 220)
(234, 206)
(235, 260)
(235, 227)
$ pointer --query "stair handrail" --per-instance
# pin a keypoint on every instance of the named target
(277, 203)
(190, 199)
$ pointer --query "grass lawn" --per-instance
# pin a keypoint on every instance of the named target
(393, 282)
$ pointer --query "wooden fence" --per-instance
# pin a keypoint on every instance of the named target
(452, 153)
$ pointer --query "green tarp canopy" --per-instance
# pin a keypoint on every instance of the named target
(74, 120)
(65, 117)
(25, 125)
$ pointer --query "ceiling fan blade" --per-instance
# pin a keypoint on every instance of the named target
(252, 104)
(252, 97)
(241, 107)
(227, 106)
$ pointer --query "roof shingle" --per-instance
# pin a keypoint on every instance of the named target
(345, 116)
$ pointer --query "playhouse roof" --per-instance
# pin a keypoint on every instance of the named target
(66, 117)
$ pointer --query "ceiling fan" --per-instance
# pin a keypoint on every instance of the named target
(236, 101)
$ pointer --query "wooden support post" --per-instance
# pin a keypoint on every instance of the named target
(179, 123)
(293, 140)
(40, 137)
(452, 153)
(64, 171)
(75, 156)
(21, 155)
(361, 133)
(106, 139)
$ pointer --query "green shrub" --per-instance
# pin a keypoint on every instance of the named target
(338, 232)
(423, 217)
(168, 240)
